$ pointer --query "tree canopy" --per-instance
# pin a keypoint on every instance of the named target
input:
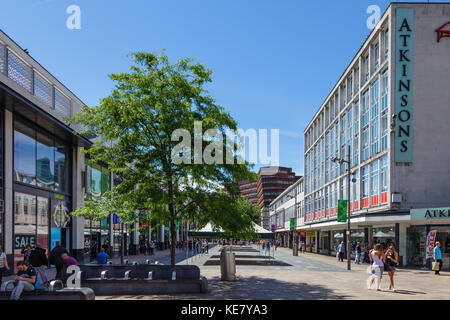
(138, 127)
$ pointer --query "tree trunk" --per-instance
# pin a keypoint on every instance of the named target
(173, 242)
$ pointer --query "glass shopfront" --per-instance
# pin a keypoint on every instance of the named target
(385, 236)
(337, 238)
(41, 189)
(416, 237)
(96, 231)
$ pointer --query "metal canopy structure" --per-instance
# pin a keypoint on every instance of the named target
(208, 232)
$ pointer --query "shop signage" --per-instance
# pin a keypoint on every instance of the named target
(342, 211)
(310, 233)
(364, 226)
(404, 59)
(303, 234)
(292, 224)
(442, 33)
(430, 214)
(23, 240)
(431, 238)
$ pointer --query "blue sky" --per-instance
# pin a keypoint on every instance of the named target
(273, 62)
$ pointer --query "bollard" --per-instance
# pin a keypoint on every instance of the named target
(134, 263)
(147, 261)
(150, 275)
(156, 262)
(174, 275)
(125, 261)
(109, 263)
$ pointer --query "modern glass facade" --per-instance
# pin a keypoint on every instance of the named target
(42, 195)
(353, 119)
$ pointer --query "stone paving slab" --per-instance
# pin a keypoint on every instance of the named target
(311, 277)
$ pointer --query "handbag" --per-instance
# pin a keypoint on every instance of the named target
(435, 266)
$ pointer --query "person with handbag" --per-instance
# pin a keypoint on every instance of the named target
(378, 258)
(437, 257)
(389, 266)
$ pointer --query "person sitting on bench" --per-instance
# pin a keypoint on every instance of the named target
(27, 279)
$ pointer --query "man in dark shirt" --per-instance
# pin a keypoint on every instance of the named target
(26, 280)
(55, 258)
(39, 261)
(358, 252)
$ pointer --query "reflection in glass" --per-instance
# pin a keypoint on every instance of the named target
(61, 167)
(42, 222)
(24, 154)
(24, 223)
(45, 162)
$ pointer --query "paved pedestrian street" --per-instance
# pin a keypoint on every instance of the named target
(307, 276)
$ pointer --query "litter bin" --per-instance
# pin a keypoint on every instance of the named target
(227, 265)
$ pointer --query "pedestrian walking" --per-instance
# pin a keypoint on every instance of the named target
(389, 265)
(268, 246)
(38, 260)
(378, 257)
(263, 246)
(303, 247)
(437, 257)
(55, 258)
(3, 264)
(358, 252)
(366, 254)
(341, 250)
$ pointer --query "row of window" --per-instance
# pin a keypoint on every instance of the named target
(371, 180)
(371, 60)
(362, 129)
(40, 159)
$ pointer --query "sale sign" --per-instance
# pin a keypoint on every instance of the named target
(431, 240)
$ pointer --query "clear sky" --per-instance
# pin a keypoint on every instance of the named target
(273, 61)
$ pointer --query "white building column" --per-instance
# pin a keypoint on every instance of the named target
(78, 200)
(403, 243)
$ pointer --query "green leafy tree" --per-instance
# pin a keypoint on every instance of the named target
(136, 125)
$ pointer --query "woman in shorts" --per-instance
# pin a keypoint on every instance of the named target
(389, 266)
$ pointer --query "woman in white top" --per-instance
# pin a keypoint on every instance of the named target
(3, 264)
(378, 258)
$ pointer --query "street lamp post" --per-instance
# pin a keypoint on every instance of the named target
(341, 161)
(294, 234)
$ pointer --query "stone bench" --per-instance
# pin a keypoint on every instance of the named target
(55, 291)
(141, 279)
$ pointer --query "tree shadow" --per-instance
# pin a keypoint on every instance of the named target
(253, 288)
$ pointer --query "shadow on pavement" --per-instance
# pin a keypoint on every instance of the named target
(408, 292)
(252, 288)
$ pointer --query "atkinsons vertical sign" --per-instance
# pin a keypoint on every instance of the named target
(404, 60)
